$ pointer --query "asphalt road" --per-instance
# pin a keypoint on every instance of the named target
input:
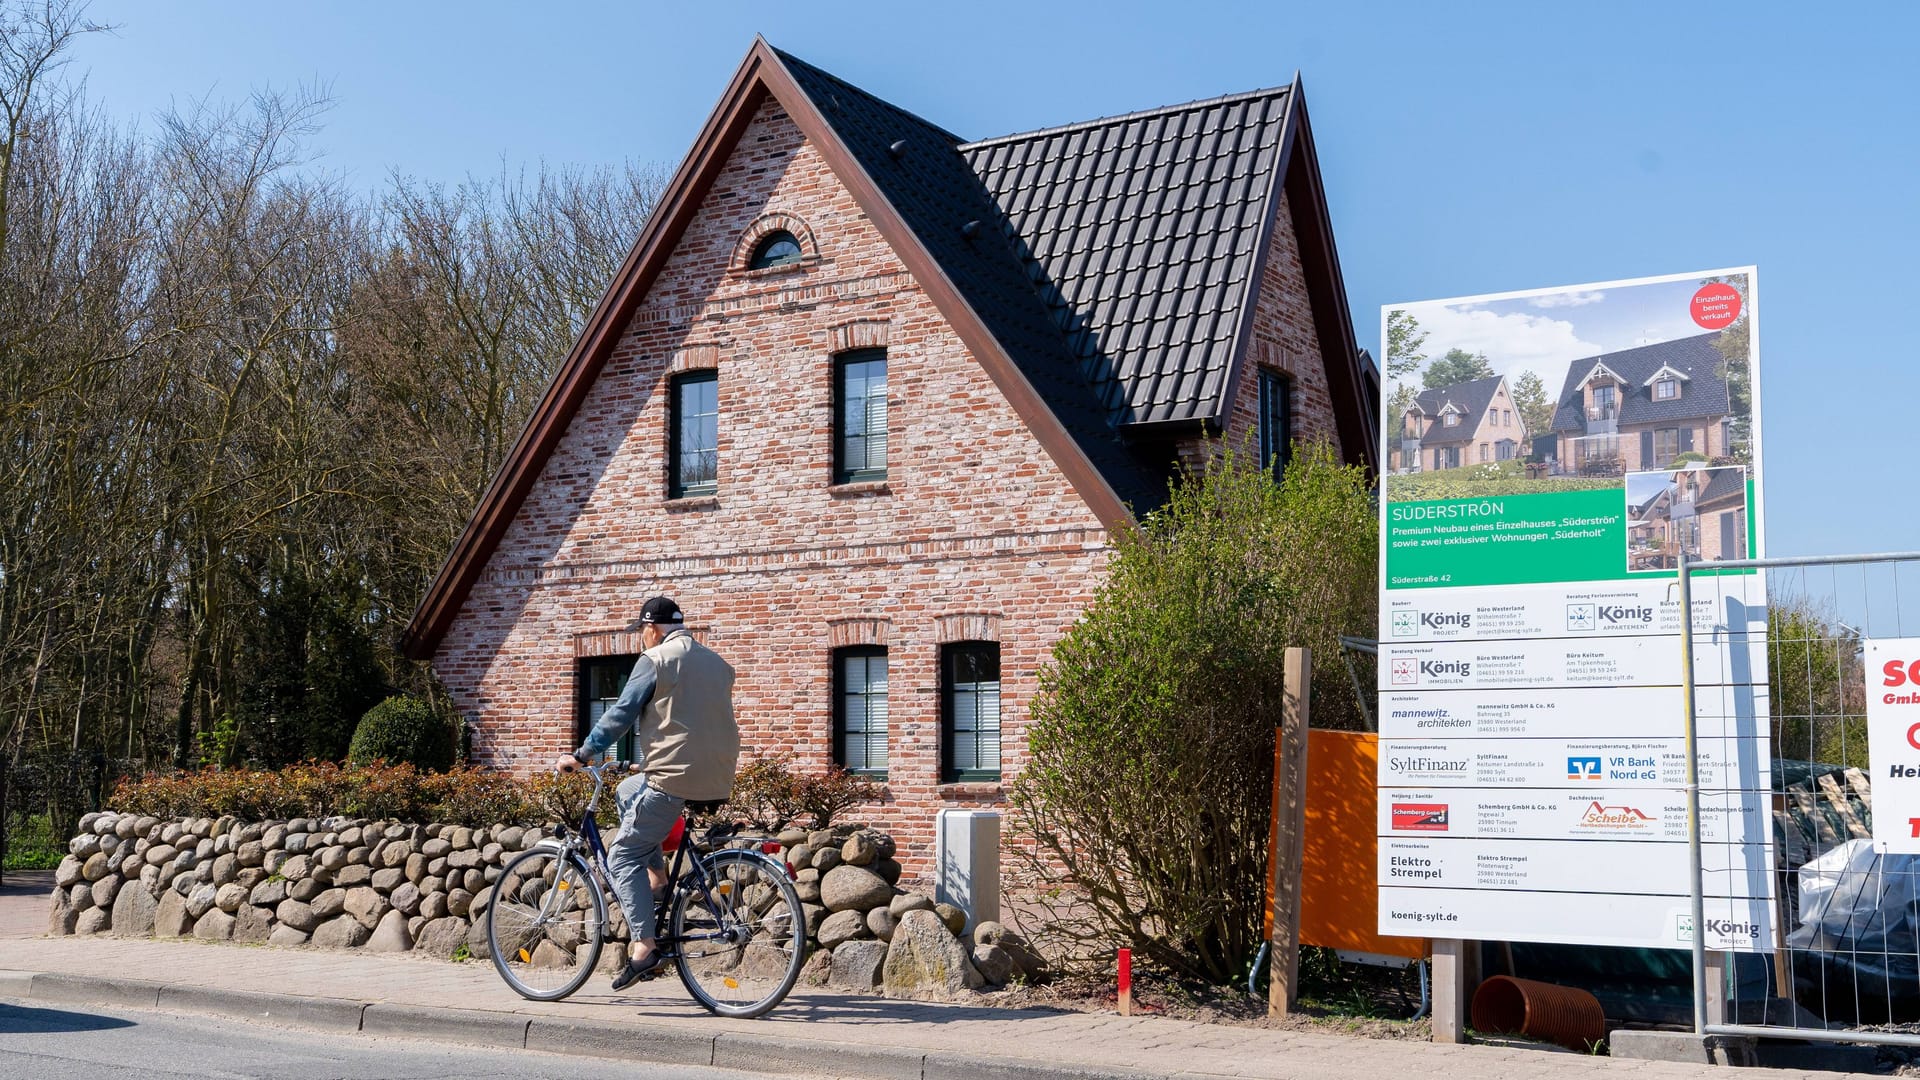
(37, 1042)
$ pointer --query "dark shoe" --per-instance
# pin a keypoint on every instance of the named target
(635, 969)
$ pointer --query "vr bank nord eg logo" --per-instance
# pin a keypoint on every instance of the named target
(1583, 768)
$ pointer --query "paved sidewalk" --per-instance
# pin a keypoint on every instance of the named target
(814, 1032)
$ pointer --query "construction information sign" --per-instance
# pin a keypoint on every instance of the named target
(1548, 457)
(1893, 742)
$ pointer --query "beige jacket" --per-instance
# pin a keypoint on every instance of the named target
(679, 703)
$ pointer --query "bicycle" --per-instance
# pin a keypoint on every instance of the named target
(733, 925)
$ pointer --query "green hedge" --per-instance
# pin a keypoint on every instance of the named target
(398, 792)
(404, 729)
(1480, 481)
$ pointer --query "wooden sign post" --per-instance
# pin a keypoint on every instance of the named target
(1289, 818)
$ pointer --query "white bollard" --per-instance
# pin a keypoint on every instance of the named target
(966, 858)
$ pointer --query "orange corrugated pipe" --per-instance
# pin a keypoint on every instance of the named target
(1556, 1014)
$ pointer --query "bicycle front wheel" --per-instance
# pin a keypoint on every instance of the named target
(546, 924)
(740, 934)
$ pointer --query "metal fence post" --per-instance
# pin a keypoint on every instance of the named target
(1694, 868)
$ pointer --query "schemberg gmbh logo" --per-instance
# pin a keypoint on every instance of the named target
(1420, 817)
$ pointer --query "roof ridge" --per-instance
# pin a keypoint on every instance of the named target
(1164, 110)
(788, 58)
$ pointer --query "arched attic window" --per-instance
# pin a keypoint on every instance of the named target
(777, 248)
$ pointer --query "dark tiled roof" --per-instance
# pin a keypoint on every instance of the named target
(950, 211)
(1726, 483)
(1704, 394)
(1141, 234)
(1471, 398)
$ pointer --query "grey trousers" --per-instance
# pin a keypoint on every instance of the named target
(646, 816)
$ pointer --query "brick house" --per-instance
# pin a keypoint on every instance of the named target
(1467, 423)
(1700, 511)
(869, 400)
(1640, 409)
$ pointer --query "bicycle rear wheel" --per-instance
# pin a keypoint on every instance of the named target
(742, 939)
(546, 924)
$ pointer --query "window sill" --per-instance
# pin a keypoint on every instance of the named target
(686, 503)
(970, 789)
(776, 271)
(859, 489)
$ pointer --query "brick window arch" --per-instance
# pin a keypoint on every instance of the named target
(769, 227)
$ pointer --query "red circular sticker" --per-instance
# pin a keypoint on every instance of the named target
(1716, 306)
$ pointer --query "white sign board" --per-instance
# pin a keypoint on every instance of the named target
(1539, 490)
(1893, 741)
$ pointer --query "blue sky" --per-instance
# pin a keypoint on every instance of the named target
(1467, 148)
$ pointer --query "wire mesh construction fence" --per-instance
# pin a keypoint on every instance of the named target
(1786, 801)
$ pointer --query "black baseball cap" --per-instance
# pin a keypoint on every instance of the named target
(660, 610)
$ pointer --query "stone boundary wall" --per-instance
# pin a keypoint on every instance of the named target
(388, 886)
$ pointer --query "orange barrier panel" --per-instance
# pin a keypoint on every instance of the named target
(1338, 891)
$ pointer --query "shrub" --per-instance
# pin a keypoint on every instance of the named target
(1151, 739)
(404, 729)
(824, 796)
(771, 795)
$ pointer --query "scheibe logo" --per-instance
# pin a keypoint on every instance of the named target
(1420, 817)
(1627, 818)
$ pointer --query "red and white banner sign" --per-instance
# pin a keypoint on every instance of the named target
(1893, 741)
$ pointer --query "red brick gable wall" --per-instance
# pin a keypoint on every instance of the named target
(1284, 341)
(975, 531)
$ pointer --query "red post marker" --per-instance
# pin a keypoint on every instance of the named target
(1126, 982)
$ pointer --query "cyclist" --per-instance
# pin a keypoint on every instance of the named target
(679, 703)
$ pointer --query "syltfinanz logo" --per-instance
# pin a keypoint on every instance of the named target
(1420, 817)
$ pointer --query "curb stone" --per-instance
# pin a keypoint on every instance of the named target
(326, 1014)
(469, 1026)
(950, 1066)
(95, 989)
(749, 1052)
(630, 1042)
